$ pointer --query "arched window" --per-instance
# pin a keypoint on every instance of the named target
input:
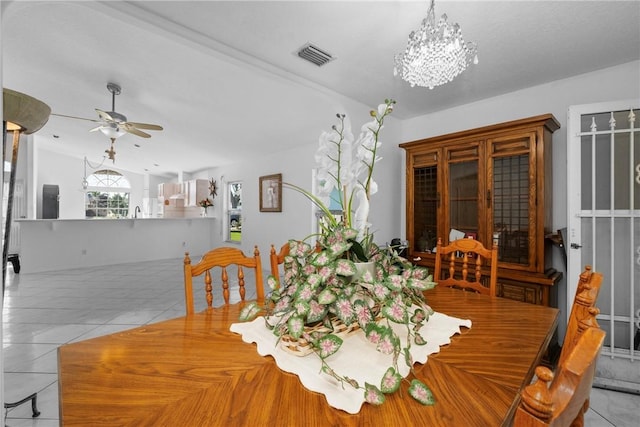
(107, 195)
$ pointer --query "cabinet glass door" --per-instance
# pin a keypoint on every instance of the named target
(425, 208)
(463, 200)
(512, 196)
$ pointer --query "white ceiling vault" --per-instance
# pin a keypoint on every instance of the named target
(223, 79)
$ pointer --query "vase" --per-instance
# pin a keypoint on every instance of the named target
(203, 212)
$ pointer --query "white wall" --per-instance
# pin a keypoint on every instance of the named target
(296, 165)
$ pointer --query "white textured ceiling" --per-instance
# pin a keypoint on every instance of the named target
(224, 81)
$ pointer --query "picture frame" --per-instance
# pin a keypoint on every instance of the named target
(270, 191)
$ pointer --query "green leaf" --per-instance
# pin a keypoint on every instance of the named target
(282, 304)
(374, 332)
(395, 311)
(328, 345)
(316, 311)
(326, 297)
(418, 316)
(421, 393)
(394, 282)
(358, 251)
(419, 339)
(249, 312)
(325, 272)
(364, 316)
(349, 233)
(272, 282)
(275, 295)
(321, 259)
(373, 395)
(380, 291)
(390, 381)
(389, 342)
(408, 359)
(298, 248)
(421, 273)
(315, 280)
(338, 248)
(296, 326)
(421, 285)
(344, 310)
(302, 307)
(344, 267)
(350, 289)
(304, 293)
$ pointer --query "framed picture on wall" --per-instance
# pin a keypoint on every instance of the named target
(271, 193)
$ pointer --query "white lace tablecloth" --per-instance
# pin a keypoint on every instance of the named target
(357, 358)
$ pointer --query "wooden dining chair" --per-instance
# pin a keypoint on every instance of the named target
(221, 258)
(561, 398)
(583, 310)
(276, 259)
(454, 261)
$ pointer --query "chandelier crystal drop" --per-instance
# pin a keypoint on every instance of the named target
(435, 54)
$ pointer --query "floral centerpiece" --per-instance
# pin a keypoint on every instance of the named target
(204, 204)
(322, 291)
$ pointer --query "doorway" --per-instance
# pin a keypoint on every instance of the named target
(603, 186)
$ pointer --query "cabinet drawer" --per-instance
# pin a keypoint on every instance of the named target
(524, 292)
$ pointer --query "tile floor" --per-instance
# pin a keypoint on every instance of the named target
(44, 310)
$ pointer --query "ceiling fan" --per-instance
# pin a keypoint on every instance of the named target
(114, 124)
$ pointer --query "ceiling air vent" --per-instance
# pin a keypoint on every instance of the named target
(314, 55)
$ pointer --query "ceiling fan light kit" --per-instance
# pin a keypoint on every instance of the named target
(111, 130)
(114, 125)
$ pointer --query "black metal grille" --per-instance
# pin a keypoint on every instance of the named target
(425, 207)
(511, 207)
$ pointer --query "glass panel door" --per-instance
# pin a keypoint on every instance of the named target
(511, 207)
(463, 200)
(603, 185)
(425, 207)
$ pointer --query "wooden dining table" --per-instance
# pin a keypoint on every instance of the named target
(192, 371)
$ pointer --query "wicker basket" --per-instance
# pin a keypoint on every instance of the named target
(302, 347)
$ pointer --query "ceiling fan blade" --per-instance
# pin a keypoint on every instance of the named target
(146, 126)
(130, 129)
(74, 117)
(105, 116)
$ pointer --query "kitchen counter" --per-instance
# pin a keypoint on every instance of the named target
(59, 244)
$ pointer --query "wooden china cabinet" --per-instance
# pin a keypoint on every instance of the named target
(493, 184)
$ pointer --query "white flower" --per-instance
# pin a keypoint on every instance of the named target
(347, 165)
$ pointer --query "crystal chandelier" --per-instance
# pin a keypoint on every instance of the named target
(435, 54)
